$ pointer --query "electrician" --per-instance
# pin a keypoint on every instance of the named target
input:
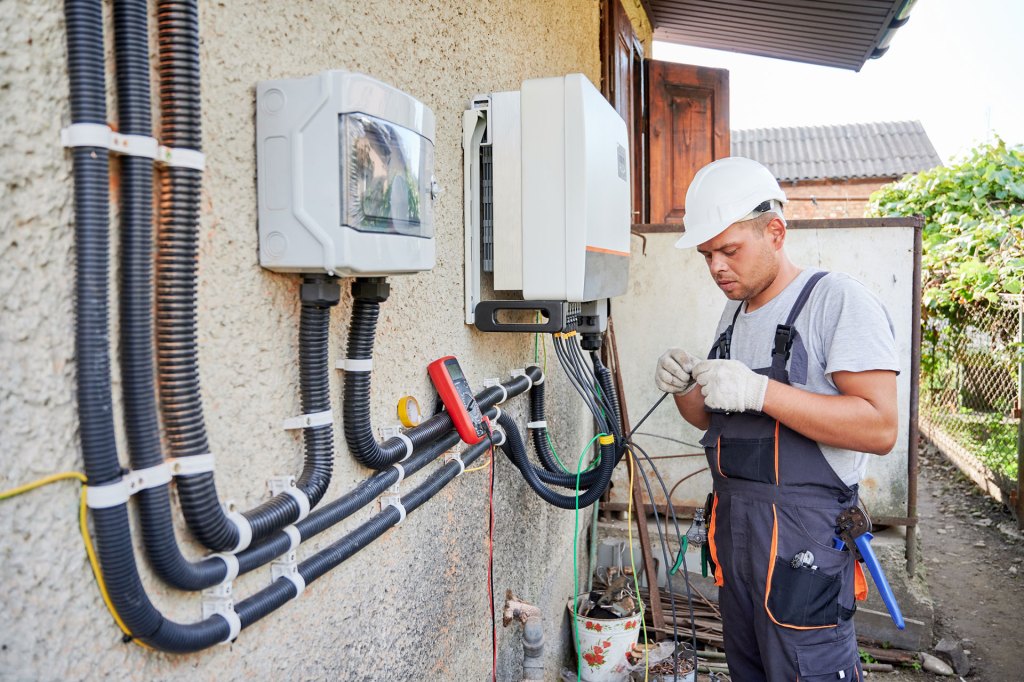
(799, 387)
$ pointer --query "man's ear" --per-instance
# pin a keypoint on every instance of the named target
(776, 231)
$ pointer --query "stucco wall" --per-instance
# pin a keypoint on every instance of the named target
(411, 606)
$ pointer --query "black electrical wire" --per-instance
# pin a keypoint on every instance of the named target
(674, 440)
(577, 384)
(668, 563)
(515, 450)
(668, 574)
(671, 509)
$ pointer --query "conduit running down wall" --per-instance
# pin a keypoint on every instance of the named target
(176, 334)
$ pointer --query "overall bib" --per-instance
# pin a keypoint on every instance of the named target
(776, 497)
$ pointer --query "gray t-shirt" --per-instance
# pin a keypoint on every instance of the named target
(843, 327)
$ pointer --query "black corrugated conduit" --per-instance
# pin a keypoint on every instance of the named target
(180, 399)
(177, 352)
(515, 450)
(131, 49)
(370, 489)
(367, 295)
(84, 21)
(177, 367)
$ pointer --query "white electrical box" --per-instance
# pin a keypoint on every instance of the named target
(345, 169)
(576, 192)
(548, 193)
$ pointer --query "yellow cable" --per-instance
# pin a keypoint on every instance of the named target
(52, 478)
(83, 526)
(94, 562)
(479, 468)
(632, 564)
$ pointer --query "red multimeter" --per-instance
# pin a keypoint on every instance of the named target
(458, 398)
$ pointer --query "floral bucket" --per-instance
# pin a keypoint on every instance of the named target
(603, 644)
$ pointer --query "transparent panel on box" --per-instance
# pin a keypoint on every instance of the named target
(385, 177)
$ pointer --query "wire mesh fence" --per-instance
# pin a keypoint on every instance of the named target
(970, 391)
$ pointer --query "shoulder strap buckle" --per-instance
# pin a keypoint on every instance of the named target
(783, 341)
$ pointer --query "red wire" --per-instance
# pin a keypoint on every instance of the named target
(490, 568)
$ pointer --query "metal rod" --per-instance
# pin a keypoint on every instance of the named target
(1020, 412)
(915, 373)
(657, 615)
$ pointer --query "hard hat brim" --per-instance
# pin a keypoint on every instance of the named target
(690, 239)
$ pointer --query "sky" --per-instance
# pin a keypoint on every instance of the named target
(957, 66)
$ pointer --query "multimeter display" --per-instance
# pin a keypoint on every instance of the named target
(457, 396)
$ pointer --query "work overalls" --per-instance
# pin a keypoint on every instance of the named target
(775, 497)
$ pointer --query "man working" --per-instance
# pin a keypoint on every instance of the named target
(799, 386)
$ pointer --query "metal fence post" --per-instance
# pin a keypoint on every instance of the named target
(1020, 412)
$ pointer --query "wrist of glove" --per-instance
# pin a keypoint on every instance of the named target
(673, 374)
(730, 385)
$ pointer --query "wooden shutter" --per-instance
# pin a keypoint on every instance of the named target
(623, 85)
(688, 127)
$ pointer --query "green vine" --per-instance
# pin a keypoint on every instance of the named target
(973, 236)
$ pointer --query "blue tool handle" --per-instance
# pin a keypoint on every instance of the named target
(878, 575)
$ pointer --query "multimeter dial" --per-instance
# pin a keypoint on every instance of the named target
(457, 396)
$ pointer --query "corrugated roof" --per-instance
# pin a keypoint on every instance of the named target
(840, 33)
(856, 150)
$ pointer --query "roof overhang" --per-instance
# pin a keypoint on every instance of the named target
(839, 33)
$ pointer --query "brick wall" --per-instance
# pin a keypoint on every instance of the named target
(812, 199)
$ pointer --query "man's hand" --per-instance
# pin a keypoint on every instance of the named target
(673, 373)
(730, 385)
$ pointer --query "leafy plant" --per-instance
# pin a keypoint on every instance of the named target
(973, 254)
(865, 657)
(973, 236)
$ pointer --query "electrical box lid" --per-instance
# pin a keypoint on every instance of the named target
(345, 167)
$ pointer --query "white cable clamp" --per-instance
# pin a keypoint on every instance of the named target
(457, 457)
(397, 504)
(230, 562)
(350, 365)
(150, 477)
(295, 578)
(494, 382)
(540, 381)
(179, 157)
(86, 135)
(408, 445)
(501, 432)
(244, 530)
(234, 624)
(141, 146)
(497, 414)
(522, 373)
(308, 421)
(294, 535)
(300, 498)
(401, 473)
(107, 495)
(542, 424)
(191, 464)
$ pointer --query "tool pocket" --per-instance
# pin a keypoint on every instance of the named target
(803, 597)
(751, 459)
(807, 594)
(832, 661)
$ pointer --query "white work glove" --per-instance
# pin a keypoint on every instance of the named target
(673, 373)
(730, 385)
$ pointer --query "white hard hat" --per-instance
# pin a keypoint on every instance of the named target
(724, 192)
